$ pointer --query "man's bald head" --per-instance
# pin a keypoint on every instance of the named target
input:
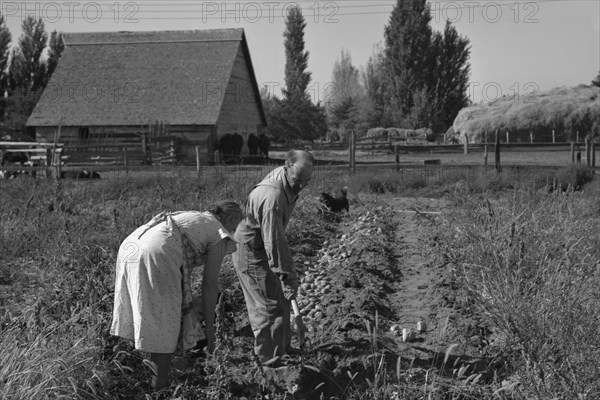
(299, 168)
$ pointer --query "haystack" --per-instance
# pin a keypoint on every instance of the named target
(570, 112)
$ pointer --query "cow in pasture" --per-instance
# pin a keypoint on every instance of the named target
(238, 143)
(80, 174)
(14, 157)
(253, 144)
(264, 144)
(226, 147)
(16, 174)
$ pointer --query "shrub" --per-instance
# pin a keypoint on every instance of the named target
(572, 177)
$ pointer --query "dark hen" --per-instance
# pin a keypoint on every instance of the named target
(336, 204)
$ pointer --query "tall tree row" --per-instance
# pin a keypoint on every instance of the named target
(427, 72)
(447, 92)
(5, 39)
(344, 97)
(295, 116)
(373, 80)
(407, 58)
(418, 78)
(26, 70)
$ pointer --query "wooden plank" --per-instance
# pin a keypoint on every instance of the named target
(29, 150)
(39, 144)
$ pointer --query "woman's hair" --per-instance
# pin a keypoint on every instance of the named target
(225, 208)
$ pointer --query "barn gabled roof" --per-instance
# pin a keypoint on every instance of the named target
(131, 78)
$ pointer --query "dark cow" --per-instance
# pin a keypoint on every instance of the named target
(80, 174)
(19, 158)
(253, 143)
(16, 157)
(16, 174)
(238, 143)
(264, 144)
(85, 174)
(226, 147)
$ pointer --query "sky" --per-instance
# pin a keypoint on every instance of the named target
(518, 48)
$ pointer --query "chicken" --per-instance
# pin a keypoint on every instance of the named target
(336, 204)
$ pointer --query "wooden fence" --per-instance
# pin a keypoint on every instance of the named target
(47, 156)
(390, 144)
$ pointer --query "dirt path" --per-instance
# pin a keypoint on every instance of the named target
(428, 293)
(423, 293)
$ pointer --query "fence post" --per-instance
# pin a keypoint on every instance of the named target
(530, 137)
(577, 140)
(48, 162)
(172, 152)
(144, 148)
(353, 151)
(57, 163)
(497, 154)
(572, 152)
(507, 141)
(466, 145)
(485, 155)
(217, 158)
(125, 159)
(198, 166)
(146, 151)
(553, 137)
(587, 152)
(350, 152)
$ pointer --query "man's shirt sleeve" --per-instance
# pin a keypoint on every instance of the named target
(276, 246)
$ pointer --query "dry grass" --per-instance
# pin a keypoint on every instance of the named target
(530, 264)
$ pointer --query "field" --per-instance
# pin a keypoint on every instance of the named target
(501, 268)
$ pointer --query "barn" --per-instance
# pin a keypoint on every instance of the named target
(148, 90)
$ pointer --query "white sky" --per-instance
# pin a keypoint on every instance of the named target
(517, 47)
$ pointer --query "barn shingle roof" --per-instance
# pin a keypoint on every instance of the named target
(131, 78)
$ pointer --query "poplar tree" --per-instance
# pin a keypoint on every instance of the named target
(344, 95)
(295, 116)
(373, 80)
(28, 69)
(5, 39)
(407, 54)
(55, 48)
(427, 72)
(27, 72)
(450, 77)
(296, 58)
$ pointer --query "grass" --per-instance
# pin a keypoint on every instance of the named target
(58, 243)
(530, 266)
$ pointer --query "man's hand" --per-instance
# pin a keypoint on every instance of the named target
(289, 292)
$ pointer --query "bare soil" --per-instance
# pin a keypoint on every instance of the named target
(382, 269)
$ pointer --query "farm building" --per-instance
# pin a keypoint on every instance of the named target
(155, 94)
